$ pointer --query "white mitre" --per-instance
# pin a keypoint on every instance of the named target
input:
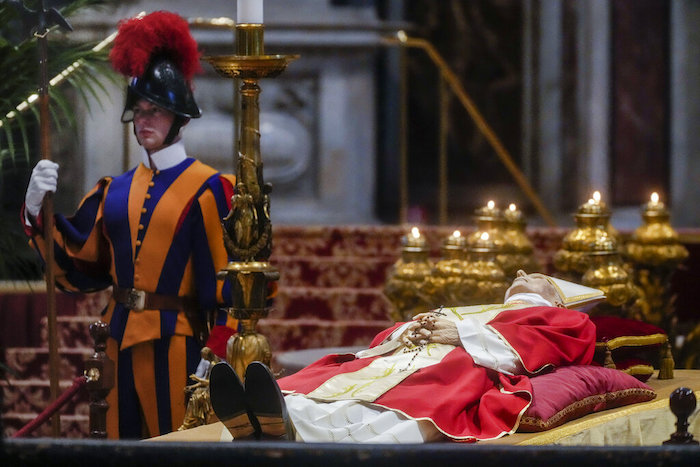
(576, 296)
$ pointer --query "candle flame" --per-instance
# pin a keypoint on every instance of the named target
(456, 234)
(512, 207)
(591, 201)
(491, 204)
(415, 232)
(485, 236)
(596, 196)
(654, 197)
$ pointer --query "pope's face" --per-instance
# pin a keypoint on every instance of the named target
(533, 283)
(151, 125)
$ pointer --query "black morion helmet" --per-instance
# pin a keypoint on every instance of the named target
(164, 85)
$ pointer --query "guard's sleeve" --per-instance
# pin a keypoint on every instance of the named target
(209, 253)
(82, 256)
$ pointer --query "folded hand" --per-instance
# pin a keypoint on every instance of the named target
(430, 328)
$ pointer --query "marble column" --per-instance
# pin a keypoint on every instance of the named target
(685, 112)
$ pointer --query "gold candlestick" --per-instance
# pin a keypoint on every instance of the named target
(607, 273)
(592, 234)
(518, 252)
(488, 276)
(247, 227)
(590, 255)
(489, 219)
(407, 285)
(450, 285)
(655, 253)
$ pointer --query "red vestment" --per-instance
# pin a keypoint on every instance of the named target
(465, 401)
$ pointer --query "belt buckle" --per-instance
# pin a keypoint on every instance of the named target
(136, 300)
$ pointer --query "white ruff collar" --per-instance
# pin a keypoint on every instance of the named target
(167, 157)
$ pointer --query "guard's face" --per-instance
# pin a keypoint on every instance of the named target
(151, 125)
(533, 283)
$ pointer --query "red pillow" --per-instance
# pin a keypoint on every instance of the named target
(571, 392)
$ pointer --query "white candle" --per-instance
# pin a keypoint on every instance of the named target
(249, 11)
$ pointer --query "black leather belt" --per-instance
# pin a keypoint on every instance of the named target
(139, 300)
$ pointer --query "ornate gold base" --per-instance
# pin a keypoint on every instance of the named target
(246, 347)
(249, 290)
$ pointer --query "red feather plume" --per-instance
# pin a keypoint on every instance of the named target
(139, 40)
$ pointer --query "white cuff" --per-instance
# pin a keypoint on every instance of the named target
(487, 348)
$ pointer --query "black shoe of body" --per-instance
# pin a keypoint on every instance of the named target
(266, 402)
(228, 399)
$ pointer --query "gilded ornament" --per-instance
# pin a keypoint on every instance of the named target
(199, 410)
(488, 276)
(408, 286)
(654, 252)
(449, 283)
(518, 252)
(592, 233)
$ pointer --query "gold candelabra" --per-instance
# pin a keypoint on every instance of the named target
(592, 234)
(407, 284)
(518, 252)
(607, 272)
(489, 219)
(247, 227)
(655, 253)
(449, 284)
(483, 269)
(590, 255)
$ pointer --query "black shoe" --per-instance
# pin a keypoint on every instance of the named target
(228, 399)
(267, 403)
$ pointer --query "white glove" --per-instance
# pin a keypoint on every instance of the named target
(44, 179)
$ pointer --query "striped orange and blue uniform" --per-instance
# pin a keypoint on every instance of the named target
(160, 232)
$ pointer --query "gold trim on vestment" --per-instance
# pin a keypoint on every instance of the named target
(382, 374)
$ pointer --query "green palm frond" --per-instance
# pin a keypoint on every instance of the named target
(19, 62)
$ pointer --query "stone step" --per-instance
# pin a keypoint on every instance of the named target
(354, 272)
(27, 363)
(305, 333)
(331, 304)
(72, 331)
(370, 241)
(72, 426)
(31, 396)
